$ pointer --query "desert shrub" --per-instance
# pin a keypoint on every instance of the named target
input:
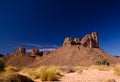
(53, 68)
(31, 72)
(117, 70)
(2, 64)
(45, 73)
(101, 67)
(103, 61)
(12, 69)
(80, 69)
(48, 76)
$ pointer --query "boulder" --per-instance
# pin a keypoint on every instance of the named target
(15, 78)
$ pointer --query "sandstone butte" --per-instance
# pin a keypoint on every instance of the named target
(73, 52)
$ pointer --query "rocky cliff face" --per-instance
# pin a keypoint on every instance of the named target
(90, 40)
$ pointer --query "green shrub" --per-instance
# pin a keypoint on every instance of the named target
(2, 64)
(103, 61)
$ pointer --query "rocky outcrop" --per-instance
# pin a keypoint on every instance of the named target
(68, 41)
(22, 50)
(36, 52)
(77, 41)
(90, 40)
(15, 78)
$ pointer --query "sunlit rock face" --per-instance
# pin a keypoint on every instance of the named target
(90, 40)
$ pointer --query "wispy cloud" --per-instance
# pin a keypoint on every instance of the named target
(38, 45)
(12, 46)
(43, 49)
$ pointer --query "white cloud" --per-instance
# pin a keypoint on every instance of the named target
(43, 49)
(38, 45)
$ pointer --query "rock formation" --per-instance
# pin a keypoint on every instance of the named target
(68, 41)
(22, 50)
(90, 40)
(36, 52)
(74, 52)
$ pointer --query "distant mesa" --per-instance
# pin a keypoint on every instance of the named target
(90, 40)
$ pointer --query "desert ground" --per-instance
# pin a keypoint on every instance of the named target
(91, 74)
(67, 74)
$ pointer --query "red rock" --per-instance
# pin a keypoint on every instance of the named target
(36, 52)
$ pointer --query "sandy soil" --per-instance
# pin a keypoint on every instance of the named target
(90, 76)
(86, 76)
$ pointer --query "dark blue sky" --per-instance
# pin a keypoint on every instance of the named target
(45, 23)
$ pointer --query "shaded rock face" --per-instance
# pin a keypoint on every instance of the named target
(15, 78)
(37, 52)
(68, 41)
(90, 40)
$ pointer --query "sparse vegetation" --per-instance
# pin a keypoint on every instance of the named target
(80, 69)
(12, 69)
(103, 61)
(117, 70)
(48, 76)
(44, 73)
(2, 64)
(101, 67)
(31, 72)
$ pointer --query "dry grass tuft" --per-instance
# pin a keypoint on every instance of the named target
(80, 69)
(117, 70)
(12, 69)
(42, 72)
(101, 68)
(48, 75)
